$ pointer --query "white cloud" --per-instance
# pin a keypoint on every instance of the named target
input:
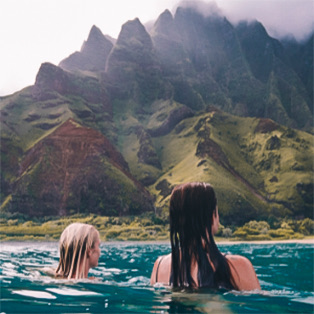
(280, 17)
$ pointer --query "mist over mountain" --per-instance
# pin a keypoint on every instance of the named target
(205, 60)
(192, 98)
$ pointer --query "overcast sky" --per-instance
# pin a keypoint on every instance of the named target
(37, 31)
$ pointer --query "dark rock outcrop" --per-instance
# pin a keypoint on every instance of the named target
(51, 78)
(164, 187)
(273, 143)
(175, 116)
(147, 153)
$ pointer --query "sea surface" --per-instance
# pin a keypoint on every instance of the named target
(285, 272)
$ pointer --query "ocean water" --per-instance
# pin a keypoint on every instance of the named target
(285, 272)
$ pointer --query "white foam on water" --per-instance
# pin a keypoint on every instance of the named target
(307, 300)
(113, 270)
(72, 292)
(34, 294)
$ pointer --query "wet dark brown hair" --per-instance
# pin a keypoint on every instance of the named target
(192, 206)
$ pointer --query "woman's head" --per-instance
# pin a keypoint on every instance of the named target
(79, 250)
(193, 211)
(193, 221)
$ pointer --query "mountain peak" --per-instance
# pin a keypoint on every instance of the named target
(49, 77)
(192, 7)
(165, 16)
(93, 55)
(95, 31)
(164, 23)
(134, 29)
(253, 27)
(133, 53)
(260, 49)
(96, 40)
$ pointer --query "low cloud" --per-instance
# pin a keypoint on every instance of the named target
(202, 7)
(281, 18)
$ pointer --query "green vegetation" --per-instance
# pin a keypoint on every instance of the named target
(147, 227)
(281, 229)
(253, 178)
(258, 168)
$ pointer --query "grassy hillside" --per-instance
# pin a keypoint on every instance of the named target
(258, 168)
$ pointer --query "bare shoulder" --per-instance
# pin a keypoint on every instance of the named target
(243, 272)
(161, 266)
(163, 259)
(239, 260)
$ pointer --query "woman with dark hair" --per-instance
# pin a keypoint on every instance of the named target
(195, 261)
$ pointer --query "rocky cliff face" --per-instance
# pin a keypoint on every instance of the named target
(287, 100)
(168, 44)
(133, 71)
(51, 78)
(77, 170)
(300, 56)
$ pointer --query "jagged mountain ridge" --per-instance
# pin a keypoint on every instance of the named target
(208, 61)
(146, 91)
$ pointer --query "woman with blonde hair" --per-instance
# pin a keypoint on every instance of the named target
(79, 251)
(195, 261)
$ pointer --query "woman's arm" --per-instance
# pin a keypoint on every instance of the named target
(243, 273)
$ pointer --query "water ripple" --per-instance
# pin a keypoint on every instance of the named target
(123, 283)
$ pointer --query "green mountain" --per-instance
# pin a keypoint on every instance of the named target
(117, 125)
(91, 174)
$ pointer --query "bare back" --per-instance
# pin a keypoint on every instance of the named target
(242, 272)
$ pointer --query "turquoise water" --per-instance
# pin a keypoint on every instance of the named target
(285, 271)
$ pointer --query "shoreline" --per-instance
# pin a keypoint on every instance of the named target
(218, 242)
(304, 241)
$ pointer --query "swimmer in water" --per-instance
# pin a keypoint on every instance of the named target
(195, 261)
(79, 251)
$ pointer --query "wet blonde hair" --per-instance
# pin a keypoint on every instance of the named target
(75, 241)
